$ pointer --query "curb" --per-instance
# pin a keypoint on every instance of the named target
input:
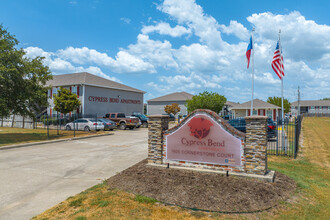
(52, 141)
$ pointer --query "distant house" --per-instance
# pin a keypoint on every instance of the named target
(259, 108)
(311, 106)
(156, 105)
(227, 107)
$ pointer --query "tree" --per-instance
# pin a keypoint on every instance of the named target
(206, 100)
(172, 109)
(278, 102)
(22, 79)
(65, 101)
(325, 99)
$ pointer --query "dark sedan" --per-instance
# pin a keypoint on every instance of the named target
(108, 124)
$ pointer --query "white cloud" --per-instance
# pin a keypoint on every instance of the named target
(189, 13)
(301, 39)
(160, 54)
(237, 29)
(124, 62)
(85, 55)
(126, 20)
(165, 29)
(61, 66)
(33, 52)
(190, 83)
(267, 78)
(200, 58)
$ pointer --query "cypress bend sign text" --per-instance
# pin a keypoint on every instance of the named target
(113, 100)
(202, 139)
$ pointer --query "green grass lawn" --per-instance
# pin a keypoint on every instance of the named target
(310, 201)
(9, 136)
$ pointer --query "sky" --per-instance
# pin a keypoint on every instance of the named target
(169, 46)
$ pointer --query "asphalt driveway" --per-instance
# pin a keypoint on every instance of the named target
(35, 178)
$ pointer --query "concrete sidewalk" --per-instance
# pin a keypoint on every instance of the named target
(35, 178)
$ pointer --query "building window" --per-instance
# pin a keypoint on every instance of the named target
(293, 107)
(54, 91)
(312, 107)
(255, 112)
(269, 113)
(74, 90)
(316, 107)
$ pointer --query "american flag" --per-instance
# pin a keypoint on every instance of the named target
(277, 63)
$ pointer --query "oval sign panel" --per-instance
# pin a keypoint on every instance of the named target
(202, 139)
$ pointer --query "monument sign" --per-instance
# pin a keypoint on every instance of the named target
(202, 139)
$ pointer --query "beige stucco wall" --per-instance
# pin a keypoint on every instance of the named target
(240, 113)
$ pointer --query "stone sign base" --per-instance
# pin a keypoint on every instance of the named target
(205, 142)
(268, 177)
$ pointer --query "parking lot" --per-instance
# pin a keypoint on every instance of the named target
(34, 178)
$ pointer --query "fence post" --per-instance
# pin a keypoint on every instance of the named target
(57, 124)
(277, 138)
(295, 137)
(47, 128)
(60, 123)
(74, 126)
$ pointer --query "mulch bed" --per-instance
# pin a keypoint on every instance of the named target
(205, 191)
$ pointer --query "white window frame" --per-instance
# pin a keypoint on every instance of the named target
(271, 113)
(74, 90)
(55, 90)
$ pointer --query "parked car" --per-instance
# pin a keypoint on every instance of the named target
(85, 124)
(144, 119)
(122, 121)
(240, 124)
(108, 124)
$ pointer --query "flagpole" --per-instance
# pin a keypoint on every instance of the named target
(282, 115)
(252, 72)
(280, 47)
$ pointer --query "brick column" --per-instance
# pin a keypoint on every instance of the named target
(157, 125)
(256, 144)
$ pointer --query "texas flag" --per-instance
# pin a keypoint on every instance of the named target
(248, 52)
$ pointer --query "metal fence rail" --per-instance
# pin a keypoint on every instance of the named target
(282, 140)
(60, 122)
(286, 142)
